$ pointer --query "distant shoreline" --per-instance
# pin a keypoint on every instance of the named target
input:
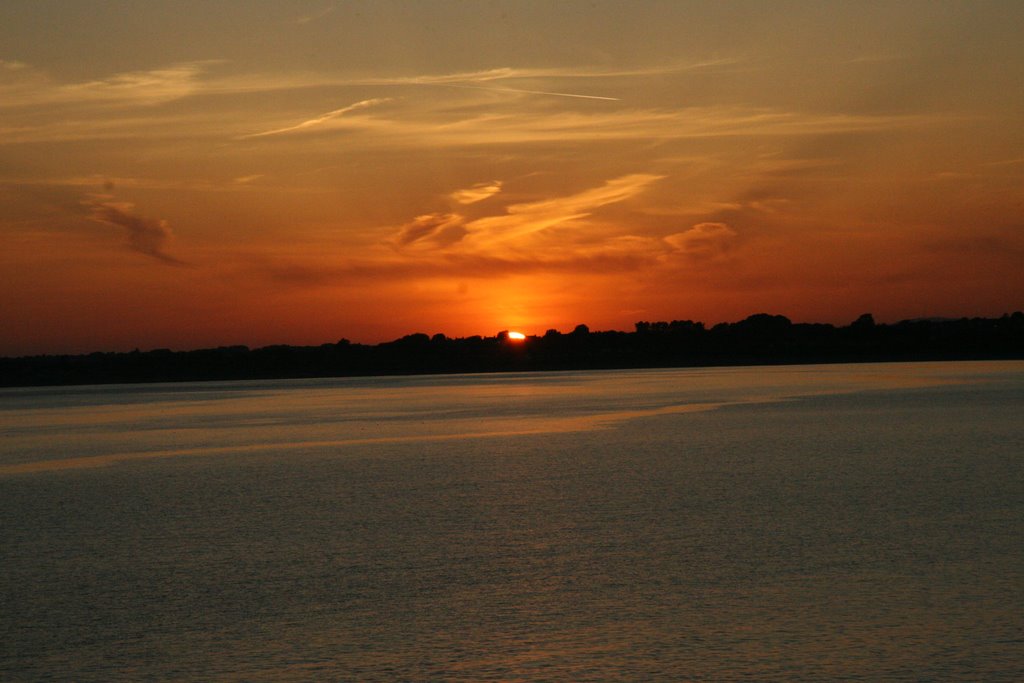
(760, 339)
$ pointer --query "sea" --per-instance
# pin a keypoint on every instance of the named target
(859, 522)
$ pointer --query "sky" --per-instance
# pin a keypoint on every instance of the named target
(186, 174)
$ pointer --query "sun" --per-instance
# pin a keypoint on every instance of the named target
(516, 336)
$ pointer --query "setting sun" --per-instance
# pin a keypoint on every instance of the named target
(266, 279)
(332, 180)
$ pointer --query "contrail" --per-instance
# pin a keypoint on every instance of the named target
(318, 120)
(529, 92)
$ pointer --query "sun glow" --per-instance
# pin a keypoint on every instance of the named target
(634, 203)
(516, 336)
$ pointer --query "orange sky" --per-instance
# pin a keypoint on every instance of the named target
(189, 174)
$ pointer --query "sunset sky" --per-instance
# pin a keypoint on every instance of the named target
(189, 173)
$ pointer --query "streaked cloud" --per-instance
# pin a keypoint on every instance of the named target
(503, 79)
(145, 235)
(875, 59)
(477, 193)
(698, 208)
(253, 82)
(155, 86)
(704, 240)
(240, 184)
(435, 229)
(470, 127)
(149, 87)
(521, 239)
(512, 73)
(661, 159)
(314, 16)
(538, 92)
(530, 218)
(169, 80)
(320, 120)
(548, 235)
(310, 273)
(471, 114)
(1007, 162)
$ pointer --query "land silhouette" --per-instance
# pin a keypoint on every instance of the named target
(757, 340)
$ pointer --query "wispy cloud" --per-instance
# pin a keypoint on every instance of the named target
(1006, 162)
(496, 80)
(463, 265)
(147, 236)
(318, 121)
(488, 78)
(26, 86)
(555, 235)
(435, 229)
(517, 242)
(879, 58)
(509, 79)
(242, 184)
(704, 240)
(536, 92)
(426, 118)
(308, 18)
(513, 229)
(268, 83)
(477, 193)
(478, 123)
(440, 230)
(512, 73)
(527, 219)
(146, 87)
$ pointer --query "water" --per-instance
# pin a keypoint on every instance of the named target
(857, 522)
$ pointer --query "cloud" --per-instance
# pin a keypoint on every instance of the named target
(145, 87)
(466, 117)
(697, 208)
(467, 265)
(319, 120)
(25, 86)
(237, 185)
(521, 232)
(703, 241)
(613, 191)
(537, 92)
(446, 245)
(485, 79)
(477, 193)
(435, 229)
(174, 81)
(474, 122)
(145, 235)
(438, 123)
(266, 83)
(526, 219)
(1006, 162)
(513, 73)
(307, 18)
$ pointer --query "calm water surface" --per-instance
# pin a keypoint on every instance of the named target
(853, 522)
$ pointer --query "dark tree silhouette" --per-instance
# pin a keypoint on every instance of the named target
(758, 339)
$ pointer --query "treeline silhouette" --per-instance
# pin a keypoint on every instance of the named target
(758, 339)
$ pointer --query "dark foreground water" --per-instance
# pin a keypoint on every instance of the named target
(858, 522)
